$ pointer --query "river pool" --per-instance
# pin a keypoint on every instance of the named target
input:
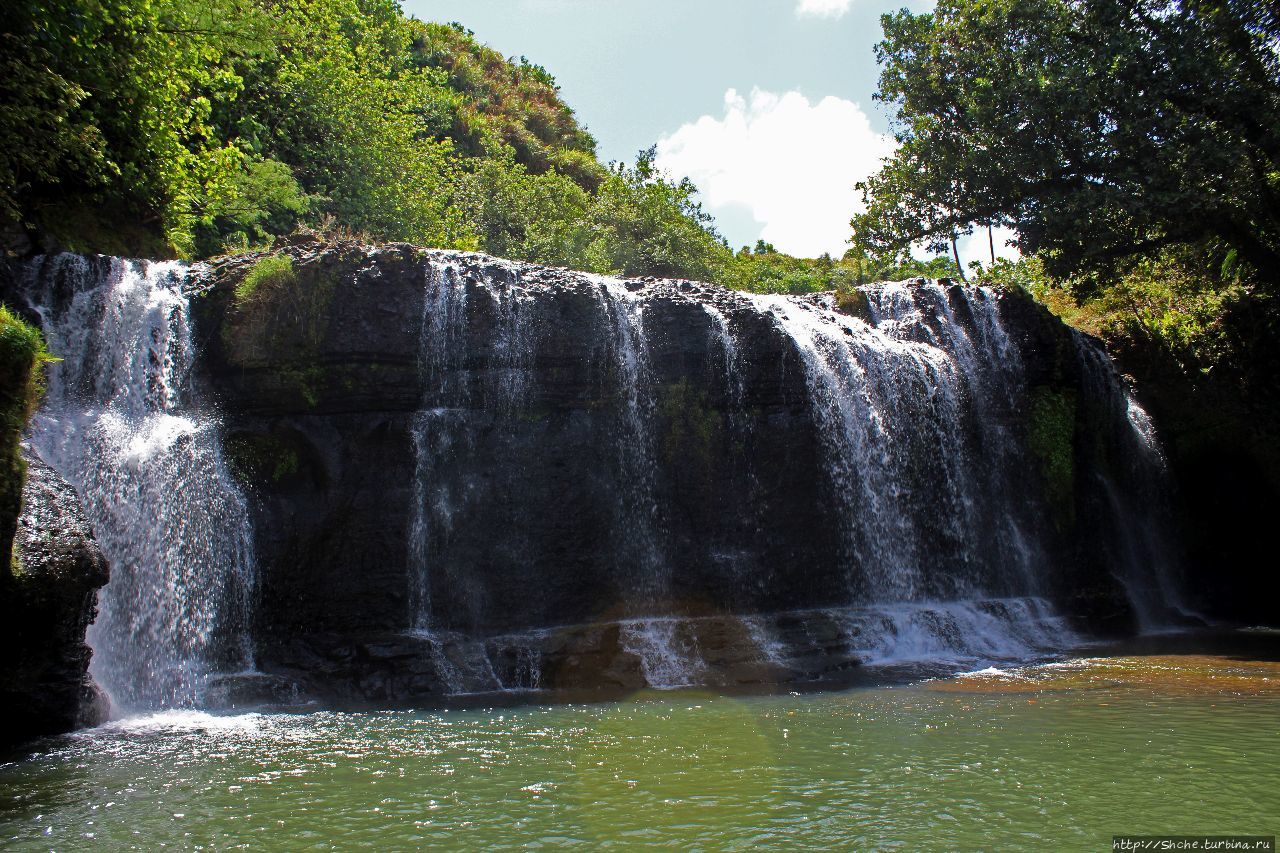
(1056, 756)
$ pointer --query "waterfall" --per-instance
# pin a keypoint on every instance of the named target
(122, 422)
(669, 656)
(454, 401)
(1136, 492)
(656, 479)
(918, 403)
(901, 403)
(638, 509)
(441, 339)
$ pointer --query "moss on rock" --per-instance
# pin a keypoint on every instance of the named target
(854, 303)
(278, 320)
(268, 275)
(692, 430)
(22, 361)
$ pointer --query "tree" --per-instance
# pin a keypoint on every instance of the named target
(108, 103)
(644, 223)
(342, 104)
(1096, 129)
(539, 218)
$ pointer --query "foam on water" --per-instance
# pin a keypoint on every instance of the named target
(185, 720)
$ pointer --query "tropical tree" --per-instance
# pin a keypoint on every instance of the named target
(1096, 129)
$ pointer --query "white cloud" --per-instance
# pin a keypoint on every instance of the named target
(822, 8)
(790, 163)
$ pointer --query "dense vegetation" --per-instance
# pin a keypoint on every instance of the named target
(196, 127)
(1098, 130)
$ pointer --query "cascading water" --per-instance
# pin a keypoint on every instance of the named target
(638, 508)
(1136, 491)
(440, 430)
(915, 403)
(122, 422)
(905, 402)
(668, 656)
(456, 402)
(915, 460)
(623, 480)
(443, 319)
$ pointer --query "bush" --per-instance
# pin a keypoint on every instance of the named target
(854, 303)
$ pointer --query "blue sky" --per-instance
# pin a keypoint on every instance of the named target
(766, 104)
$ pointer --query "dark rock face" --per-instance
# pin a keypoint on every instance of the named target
(466, 470)
(45, 609)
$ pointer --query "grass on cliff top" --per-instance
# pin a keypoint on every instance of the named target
(267, 275)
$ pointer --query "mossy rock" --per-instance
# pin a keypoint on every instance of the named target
(279, 312)
(22, 363)
(278, 319)
(691, 430)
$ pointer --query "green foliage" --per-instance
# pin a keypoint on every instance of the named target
(219, 125)
(224, 123)
(532, 217)
(1051, 439)
(109, 102)
(766, 270)
(1172, 304)
(268, 275)
(22, 362)
(263, 198)
(643, 223)
(1165, 301)
(504, 105)
(1098, 131)
(341, 105)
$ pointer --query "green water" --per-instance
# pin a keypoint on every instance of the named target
(1065, 755)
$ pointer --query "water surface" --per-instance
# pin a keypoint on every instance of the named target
(1066, 754)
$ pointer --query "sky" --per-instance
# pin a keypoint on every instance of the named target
(766, 104)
